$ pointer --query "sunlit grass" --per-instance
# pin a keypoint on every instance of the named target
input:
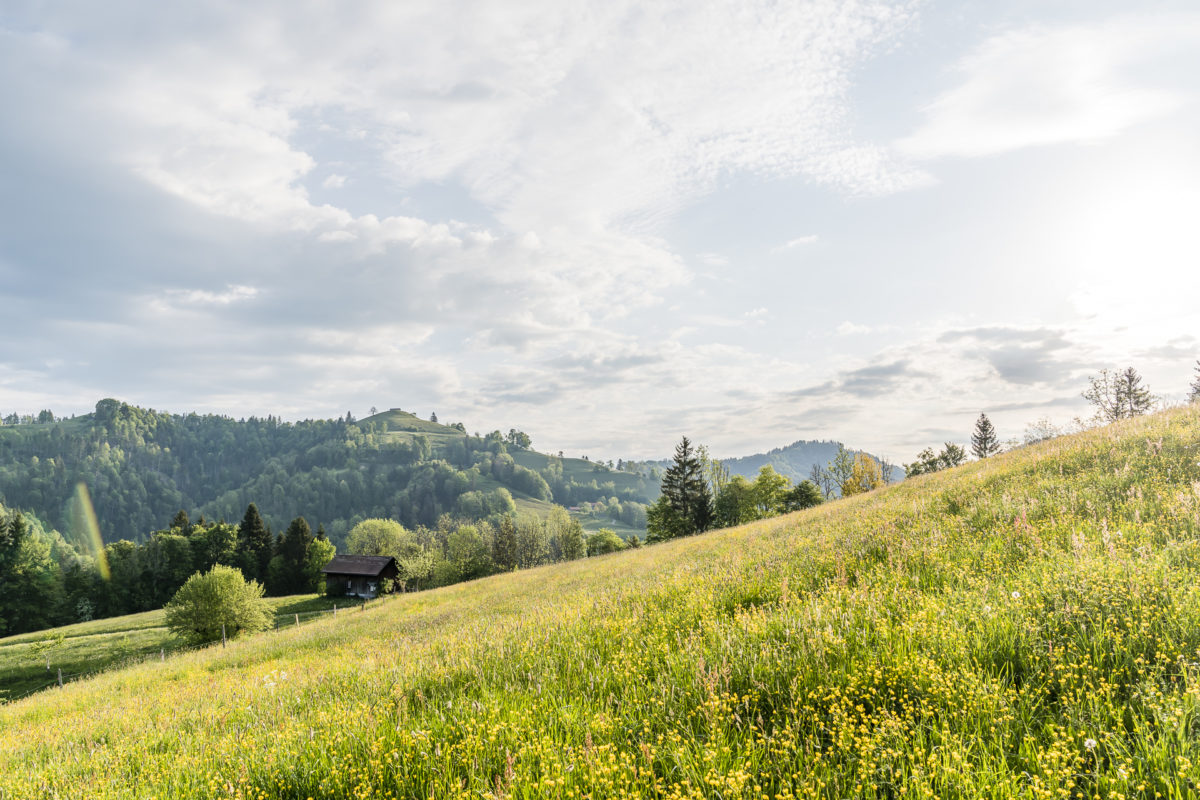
(1028, 626)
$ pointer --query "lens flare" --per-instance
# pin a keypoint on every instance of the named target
(86, 530)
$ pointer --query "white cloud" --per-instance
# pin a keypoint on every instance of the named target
(1043, 86)
(848, 328)
(333, 181)
(202, 297)
(799, 241)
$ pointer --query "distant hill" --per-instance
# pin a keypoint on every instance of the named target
(794, 461)
(141, 466)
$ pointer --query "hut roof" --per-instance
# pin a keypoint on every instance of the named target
(370, 566)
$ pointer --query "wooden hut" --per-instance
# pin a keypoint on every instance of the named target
(359, 576)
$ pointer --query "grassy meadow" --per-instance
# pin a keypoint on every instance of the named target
(1027, 626)
(31, 661)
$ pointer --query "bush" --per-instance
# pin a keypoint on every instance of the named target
(604, 541)
(218, 597)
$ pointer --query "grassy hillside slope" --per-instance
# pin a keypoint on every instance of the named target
(1027, 626)
(30, 661)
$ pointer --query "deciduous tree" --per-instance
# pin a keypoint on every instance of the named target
(865, 475)
(219, 597)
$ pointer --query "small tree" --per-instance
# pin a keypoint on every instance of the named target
(841, 468)
(823, 480)
(381, 537)
(805, 494)
(573, 546)
(504, 544)
(952, 455)
(604, 541)
(865, 475)
(984, 442)
(210, 600)
(1040, 431)
(769, 490)
(1194, 393)
(1134, 398)
(1118, 395)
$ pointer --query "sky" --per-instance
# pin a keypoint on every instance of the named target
(608, 224)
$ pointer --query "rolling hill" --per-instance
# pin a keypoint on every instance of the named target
(1024, 626)
(141, 466)
(794, 461)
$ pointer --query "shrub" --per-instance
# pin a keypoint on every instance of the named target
(218, 597)
(604, 541)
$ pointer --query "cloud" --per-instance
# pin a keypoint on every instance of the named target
(1021, 355)
(848, 328)
(794, 243)
(1042, 86)
(202, 297)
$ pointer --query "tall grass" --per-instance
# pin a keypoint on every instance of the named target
(1027, 626)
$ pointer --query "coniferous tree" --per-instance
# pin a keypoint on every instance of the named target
(1194, 395)
(254, 545)
(984, 442)
(286, 574)
(182, 522)
(686, 494)
(1133, 398)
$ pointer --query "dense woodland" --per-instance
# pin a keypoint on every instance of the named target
(141, 466)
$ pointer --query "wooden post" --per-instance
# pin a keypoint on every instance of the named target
(222, 634)
(60, 677)
(297, 620)
(335, 610)
(162, 654)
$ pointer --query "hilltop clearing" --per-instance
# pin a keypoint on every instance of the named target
(1023, 626)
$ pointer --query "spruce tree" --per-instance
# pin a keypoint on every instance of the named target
(287, 568)
(182, 522)
(686, 490)
(984, 442)
(254, 545)
(1132, 398)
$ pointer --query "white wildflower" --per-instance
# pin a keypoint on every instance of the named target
(1090, 744)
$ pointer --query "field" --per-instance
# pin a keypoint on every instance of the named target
(31, 661)
(1026, 626)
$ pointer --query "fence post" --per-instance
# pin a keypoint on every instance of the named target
(335, 610)
(60, 677)
(162, 654)
(222, 634)
(297, 620)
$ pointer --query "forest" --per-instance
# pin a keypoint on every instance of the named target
(141, 466)
(109, 513)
